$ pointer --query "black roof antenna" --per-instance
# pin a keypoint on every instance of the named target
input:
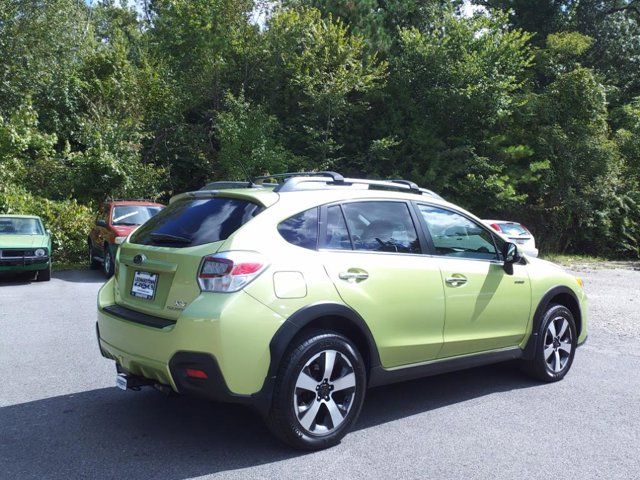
(245, 172)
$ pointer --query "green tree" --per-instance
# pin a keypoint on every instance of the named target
(452, 87)
(315, 76)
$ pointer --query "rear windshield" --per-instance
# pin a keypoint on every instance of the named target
(133, 214)
(189, 222)
(513, 229)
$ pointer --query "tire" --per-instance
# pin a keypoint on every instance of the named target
(108, 265)
(556, 346)
(303, 388)
(93, 263)
(44, 275)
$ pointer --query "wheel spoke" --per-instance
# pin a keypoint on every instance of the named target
(334, 411)
(556, 366)
(552, 328)
(310, 415)
(548, 352)
(329, 362)
(566, 346)
(563, 328)
(306, 382)
(348, 381)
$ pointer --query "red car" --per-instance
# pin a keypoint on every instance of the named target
(115, 221)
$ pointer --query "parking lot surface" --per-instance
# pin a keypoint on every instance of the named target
(62, 417)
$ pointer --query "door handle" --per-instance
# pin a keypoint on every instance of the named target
(353, 276)
(456, 280)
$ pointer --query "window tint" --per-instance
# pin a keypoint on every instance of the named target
(301, 229)
(381, 227)
(337, 234)
(189, 222)
(456, 236)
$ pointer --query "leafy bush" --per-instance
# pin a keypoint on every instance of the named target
(68, 221)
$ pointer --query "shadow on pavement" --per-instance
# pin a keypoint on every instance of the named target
(75, 276)
(80, 276)
(107, 433)
(12, 279)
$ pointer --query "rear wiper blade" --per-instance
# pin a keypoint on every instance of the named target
(167, 237)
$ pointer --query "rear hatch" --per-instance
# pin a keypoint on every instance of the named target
(158, 266)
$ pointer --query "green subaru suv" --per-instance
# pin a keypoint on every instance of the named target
(296, 296)
(25, 246)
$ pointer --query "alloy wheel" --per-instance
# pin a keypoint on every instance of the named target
(558, 344)
(324, 392)
(107, 263)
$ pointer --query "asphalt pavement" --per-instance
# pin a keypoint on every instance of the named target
(62, 417)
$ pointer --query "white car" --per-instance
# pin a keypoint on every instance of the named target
(516, 233)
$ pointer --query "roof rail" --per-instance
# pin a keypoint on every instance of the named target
(321, 180)
(298, 181)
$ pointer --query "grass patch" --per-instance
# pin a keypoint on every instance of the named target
(573, 259)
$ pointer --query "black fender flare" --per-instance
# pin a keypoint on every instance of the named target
(532, 343)
(293, 325)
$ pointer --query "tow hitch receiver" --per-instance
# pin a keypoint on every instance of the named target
(131, 382)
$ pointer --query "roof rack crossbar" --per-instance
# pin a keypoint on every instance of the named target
(412, 186)
(226, 185)
(336, 177)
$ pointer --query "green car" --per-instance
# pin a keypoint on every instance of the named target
(294, 297)
(25, 246)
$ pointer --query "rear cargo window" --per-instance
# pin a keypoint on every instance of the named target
(301, 229)
(512, 229)
(189, 222)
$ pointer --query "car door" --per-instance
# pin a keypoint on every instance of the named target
(372, 252)
(486, 308)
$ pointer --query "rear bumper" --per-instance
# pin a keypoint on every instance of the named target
(226, 336)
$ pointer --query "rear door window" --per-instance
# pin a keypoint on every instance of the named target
(378, 226)
(337, 235)
(195, 221)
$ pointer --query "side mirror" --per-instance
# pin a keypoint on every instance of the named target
(510, 256)
(101, 223)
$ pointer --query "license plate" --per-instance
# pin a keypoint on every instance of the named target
(121, 382)
(521, 242)
(144, 285)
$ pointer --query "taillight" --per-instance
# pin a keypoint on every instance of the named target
(496, 227)
(526, 229)
(230, 271)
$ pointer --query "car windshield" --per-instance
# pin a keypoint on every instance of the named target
(20, 226)
(513, 229)
(133, 214)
